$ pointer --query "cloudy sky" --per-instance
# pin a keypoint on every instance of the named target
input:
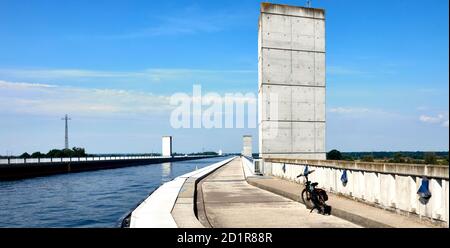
(113, 66)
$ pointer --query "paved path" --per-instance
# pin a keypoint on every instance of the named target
(225, 199)
(358, 212)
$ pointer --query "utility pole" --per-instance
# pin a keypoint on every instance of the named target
(66, 144)
(308, 3)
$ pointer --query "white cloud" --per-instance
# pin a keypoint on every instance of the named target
(18, 85)
(438, 119)
(431, 119)
(45, 99)
(349, 110)
(187, 22)
(147, 75)
(171, 26)
(51, 99)
(422, 108)
(445, 124)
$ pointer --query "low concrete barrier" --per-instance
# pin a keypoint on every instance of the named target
(5, 162)
(386, 185)
(52, 166)
(249, 167)
(173, 203)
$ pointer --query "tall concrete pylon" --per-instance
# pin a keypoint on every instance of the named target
(291, 82)
(247, 149)
(66, 136)
(167, 146)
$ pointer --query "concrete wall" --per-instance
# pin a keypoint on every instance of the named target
(247, 149)
(53, 166)
(291, 75)
(167, 145)
(389, 186)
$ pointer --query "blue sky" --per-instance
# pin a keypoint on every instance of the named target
(113, 65)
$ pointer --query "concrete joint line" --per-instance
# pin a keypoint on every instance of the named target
(292, 49)
(305, 17)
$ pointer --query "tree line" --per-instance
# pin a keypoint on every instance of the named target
(55, 153)
(418, 157)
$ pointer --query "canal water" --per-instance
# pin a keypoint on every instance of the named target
(87, 199)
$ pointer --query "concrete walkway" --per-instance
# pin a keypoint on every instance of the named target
(356, 212)
(225, 199)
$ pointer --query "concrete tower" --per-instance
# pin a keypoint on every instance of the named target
(291, 79)
(167, 146)
(247, 145)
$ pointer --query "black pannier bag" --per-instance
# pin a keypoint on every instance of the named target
(322, 194)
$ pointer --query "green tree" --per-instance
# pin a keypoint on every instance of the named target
(67, 153)
(37, 155)
(367, 158)
(79, 152)
(430, 158)
(74, 152)
(398, 158)
(54, 153)
(334, 155)
(25, 155)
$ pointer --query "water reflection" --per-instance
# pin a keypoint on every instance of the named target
(166, 170)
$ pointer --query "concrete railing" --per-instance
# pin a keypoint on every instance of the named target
(78, 159)
(387, 185)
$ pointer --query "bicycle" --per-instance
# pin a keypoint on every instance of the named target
(314, 198)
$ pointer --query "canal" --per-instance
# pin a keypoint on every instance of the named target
(87, 199)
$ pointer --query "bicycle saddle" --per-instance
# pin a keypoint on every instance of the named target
(314, 184)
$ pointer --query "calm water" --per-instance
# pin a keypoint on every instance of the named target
(86, 199)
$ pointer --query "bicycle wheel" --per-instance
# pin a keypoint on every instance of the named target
(306, 198)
